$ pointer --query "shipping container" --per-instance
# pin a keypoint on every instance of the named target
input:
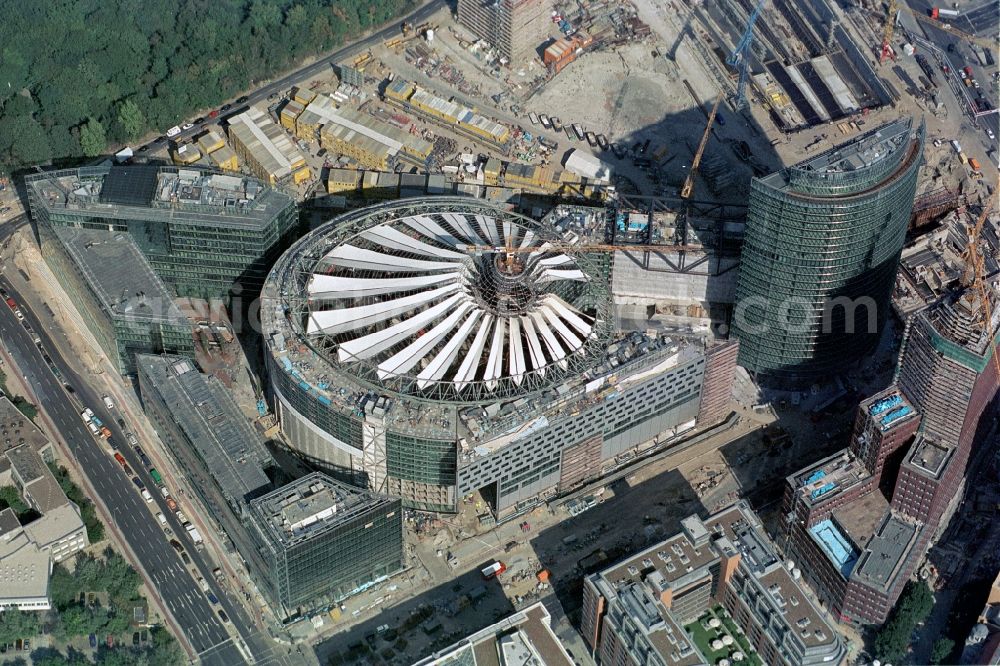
(974, 164)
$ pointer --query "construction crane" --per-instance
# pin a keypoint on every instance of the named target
(974, 273)
(689, 181)
(984, 42)
(740, 58)
(890, 26)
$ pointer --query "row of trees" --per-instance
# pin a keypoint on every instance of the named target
(78, 611)
(88, 512)
(913, 607)
(83, 73)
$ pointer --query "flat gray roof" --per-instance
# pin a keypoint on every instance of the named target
(231, 449)
(119, 274)
(886, 551)
(311, 506)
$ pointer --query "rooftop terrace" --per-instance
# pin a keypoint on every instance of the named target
(828, 478)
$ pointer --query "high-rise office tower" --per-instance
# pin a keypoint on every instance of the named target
(823, 240)
(517, 28)
(202, 232)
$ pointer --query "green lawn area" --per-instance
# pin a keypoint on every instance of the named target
(703, 638)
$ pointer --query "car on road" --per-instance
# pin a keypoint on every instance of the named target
(185, 559)
(223, 616)
(146, 496)
(138, 483)
(160, 517)
(143, 149)
(176, 545)
(989, 133)
(93, 641)
(199, 121)
(212, 598)
(242, 100)
(171, 504)
(108, 402)
(186, 126)
(203, 584)
(132, 439)
(225, 107)
(120, 422)
(171, 133)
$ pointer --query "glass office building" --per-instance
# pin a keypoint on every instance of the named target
(201, 231)
(119, 297)
(823, 240)
(323, 540)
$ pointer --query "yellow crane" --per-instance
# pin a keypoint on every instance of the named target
(689, 181)
(974, 273)
(890, 26)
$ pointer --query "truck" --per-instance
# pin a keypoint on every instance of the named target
(942, 12)
(146, 496)
(107, 402)
(494, 570)
(173, 131)
(556, 124)
(578, 131)
(85, 415)
(157, 479)
(93, 429)
(956, 145)
(974, 164)
(533, 118)
(195, 535)
(545, 121)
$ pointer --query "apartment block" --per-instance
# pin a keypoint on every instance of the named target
(644, 609)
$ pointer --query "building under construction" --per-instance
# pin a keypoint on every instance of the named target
(803, 64)
(516, 28)
(403, 362)
(860, 521)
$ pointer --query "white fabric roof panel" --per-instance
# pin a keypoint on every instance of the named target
(467, 371)
(403, 360)
(394, 239)
(431, 229)
(439, 364)
(414, 303)
(331, 287)
(351, 319)
(350, 256)
(377, 342)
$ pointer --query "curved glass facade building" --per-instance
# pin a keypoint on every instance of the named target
(436, 348)
(823, 240)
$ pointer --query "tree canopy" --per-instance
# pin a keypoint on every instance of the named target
(913, 607)
(82, 73)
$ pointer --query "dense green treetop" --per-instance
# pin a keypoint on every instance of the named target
(79, 73)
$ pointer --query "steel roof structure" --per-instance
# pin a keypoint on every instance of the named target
(397, 296)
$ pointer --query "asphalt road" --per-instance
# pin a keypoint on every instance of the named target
(344, 54)
(179, 591)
